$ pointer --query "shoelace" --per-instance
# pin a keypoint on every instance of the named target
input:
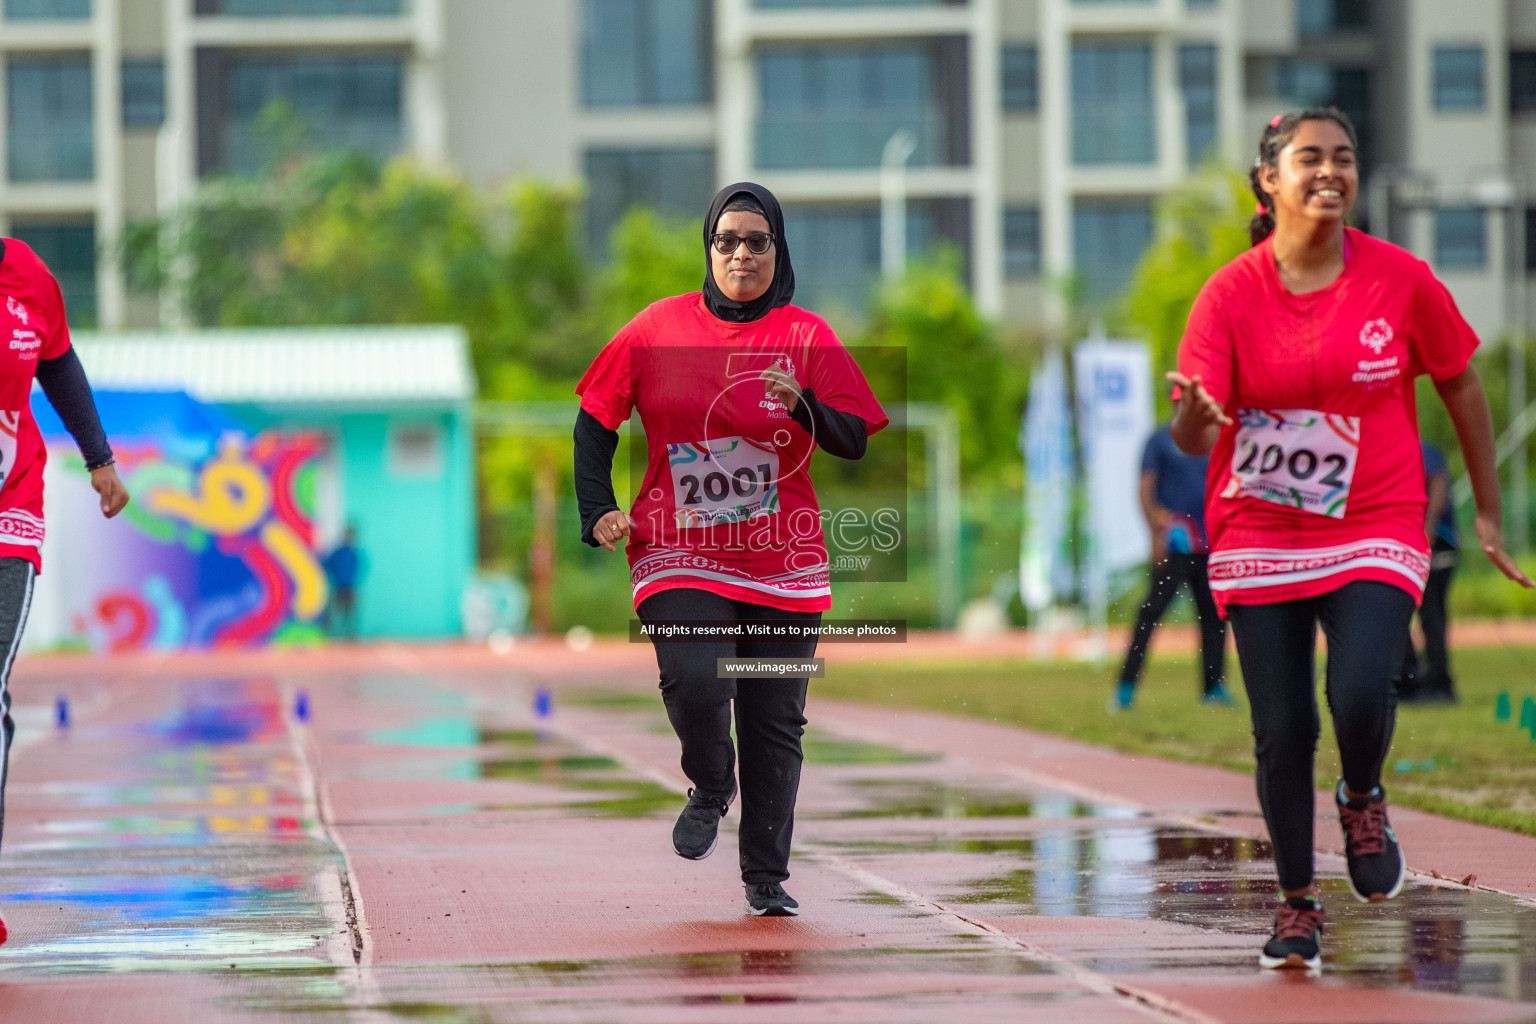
(695, 803)
(1366, 826)
(1298, 923)
(769, 890)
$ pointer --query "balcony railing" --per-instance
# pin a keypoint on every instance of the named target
(303, 8)
(792, 139)
(61, 152)
(41, 10)
(250, 148)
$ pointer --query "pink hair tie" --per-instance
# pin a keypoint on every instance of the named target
(1276, 122)
(1259, 209)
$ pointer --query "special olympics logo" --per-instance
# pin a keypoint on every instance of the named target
(16, 309)
(1376, 334)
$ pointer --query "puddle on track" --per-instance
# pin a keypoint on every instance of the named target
(235, 879)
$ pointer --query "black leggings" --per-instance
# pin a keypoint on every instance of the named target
(16, 576)
(770, 719)
(1366, 624)
(1167, 577)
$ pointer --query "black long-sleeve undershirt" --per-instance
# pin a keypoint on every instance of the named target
(63, 381)
(595, 445)
(839, 433)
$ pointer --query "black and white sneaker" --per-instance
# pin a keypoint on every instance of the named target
(1376, 868)
(1297, 938)
(698, 828)
(770, 900)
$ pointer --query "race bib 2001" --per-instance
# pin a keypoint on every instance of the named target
(1300, 458)
(10, 427)
(724, 480)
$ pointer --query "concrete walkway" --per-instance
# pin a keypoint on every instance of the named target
(393, 833)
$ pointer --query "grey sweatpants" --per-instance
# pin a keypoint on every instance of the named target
(16, 576)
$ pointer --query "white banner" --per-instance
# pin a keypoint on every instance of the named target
(1044, 566)
(1114, 419)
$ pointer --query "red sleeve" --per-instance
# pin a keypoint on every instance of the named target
(840, 384)
(1441, 341)
(607, 388)
(1206, 348)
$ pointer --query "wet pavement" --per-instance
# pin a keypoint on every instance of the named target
(402, 836)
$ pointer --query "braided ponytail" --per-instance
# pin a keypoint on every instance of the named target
(1276, 136)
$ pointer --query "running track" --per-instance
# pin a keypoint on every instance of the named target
(424, 846)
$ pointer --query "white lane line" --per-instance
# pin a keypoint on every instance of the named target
(1155, 1006)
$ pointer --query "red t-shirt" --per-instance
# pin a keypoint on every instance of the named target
(1320, 480)
(727, 503)
(32, 322)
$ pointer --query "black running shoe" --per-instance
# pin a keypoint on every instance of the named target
(698, 827)
(1376, 867)
(770, 900)
(1297, 935)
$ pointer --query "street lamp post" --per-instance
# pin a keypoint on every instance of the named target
(893, 203)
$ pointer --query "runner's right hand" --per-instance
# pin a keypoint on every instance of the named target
(1491, 535)
(1196, 406)
(612, 528)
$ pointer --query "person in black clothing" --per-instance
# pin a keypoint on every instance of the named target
(1434, 684)
(1173, 501)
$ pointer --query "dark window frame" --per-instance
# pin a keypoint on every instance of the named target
(1447, 258)
(146, 77)
(1451, 96)
(1019, 65)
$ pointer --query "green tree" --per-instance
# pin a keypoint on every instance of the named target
(1201, 226)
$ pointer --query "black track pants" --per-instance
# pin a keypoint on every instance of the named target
(1167, 577)
(1367, 625)
(770, 719)
(16, 576)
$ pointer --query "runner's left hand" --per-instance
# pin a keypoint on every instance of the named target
(1491, 535)
(783, 387)
(114, 496)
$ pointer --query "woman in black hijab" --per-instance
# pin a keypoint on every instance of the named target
(735, 387)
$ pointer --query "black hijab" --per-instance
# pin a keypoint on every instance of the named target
(783, 287)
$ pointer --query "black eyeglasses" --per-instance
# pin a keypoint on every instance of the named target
(725, 243)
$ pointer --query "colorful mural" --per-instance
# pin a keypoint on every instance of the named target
(217, 549)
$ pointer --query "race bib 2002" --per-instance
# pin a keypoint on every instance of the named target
(1300, 458)
(723, 480)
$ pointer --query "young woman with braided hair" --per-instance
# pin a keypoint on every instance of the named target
(1296, 376)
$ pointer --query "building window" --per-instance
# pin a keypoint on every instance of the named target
(415, 450)
(273, 105)
(1522, 80)
(1108, 238)
(143, 93)
(1461, 238)
(671, 181)
(1113, 121)
(1458, 78)
(837, 106)
(1197, 79)
(31, 10)
(301, 8)
(1530, 238)
(48, 122)
(1021, 241)
(776, 4)
(837, 248)
(638, 53)
(69, 250)
(1316, 17)
(1021, 79)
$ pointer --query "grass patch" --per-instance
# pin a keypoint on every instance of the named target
(1483, 770)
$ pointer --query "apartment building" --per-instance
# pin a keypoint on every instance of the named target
(1040, 131)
